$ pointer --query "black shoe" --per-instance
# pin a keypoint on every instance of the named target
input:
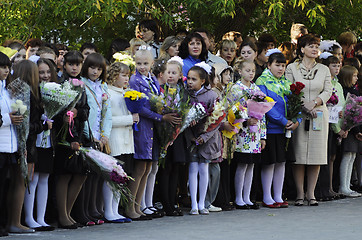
(3, 232)
(173, 213)
(243, 207)
(255, 206)
(72, 226)
(179, 211)
(44, 229)
(142, 218)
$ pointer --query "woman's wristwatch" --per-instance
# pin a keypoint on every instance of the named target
(316, 103)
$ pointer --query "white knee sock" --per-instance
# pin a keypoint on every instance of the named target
(248, 181)
(29, 202)
(278, 181)
(193, 172)
(107, 199)
(349, 173)
(267, 172)
(239, 183)
(343, 187)
(203, 183)
(42, 198)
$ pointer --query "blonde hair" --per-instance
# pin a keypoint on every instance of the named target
(135, 42)
(143, 52)
(114, 70)
(175, 63)
(346, 74)
(167, 43)
(228, 43)
(240, 64)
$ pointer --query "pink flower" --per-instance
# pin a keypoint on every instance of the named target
(104, 97)
(76, 82)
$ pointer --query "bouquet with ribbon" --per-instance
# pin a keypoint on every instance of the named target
(135, 102)
(20, 92)
(55, 97)
(109, 168)
(352, 112)
(258, 104)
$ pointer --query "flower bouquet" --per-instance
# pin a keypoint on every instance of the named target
(294, 105)
(55, 97)
(135, 102)
(218, 113)
(352, 112)
(236, 116)
(258, 104)
(109, 168)
(125, 58)
(20, 91)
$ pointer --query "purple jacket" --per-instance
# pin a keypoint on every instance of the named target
(211, 149)
(143, 139)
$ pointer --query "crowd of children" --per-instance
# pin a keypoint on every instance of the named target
(204, 170)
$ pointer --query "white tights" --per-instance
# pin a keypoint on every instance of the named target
(40, 185)
(196, 169)
(346, 172)
(111, 203)
(243, 182)
(273, 174)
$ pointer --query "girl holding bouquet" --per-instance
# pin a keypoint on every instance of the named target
(248, 143)
(9, 156)
(145, 150)
(27, 71)
(121, 137)
(348, 78)
(43, 167)
(273, 83)
(177, 153)
(208, 144)
(68, 165)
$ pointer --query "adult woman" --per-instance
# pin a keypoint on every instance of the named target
(150, 34)
(170, 47)
(192, 50)
(248, 51)
(228, 51)
(310, 141)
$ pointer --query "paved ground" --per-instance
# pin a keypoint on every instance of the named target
(340, 219)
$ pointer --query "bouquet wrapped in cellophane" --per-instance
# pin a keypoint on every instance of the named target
(20, 92)
(55, 98)
(110, 169)
(352, 112)
(135, 101)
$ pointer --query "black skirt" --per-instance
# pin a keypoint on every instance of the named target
(45, 162)
(7, 159)
(66, 161)
(247, 158)
(275, 151)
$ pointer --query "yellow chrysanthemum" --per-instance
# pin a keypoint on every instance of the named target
(269, 99)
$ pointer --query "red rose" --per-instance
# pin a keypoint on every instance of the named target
(293, 87)
(300, 85)
(297, 91)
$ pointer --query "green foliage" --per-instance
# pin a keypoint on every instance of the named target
(100, 21)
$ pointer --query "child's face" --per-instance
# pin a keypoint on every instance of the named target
(226, 77)
(248, 54)
(122, 80)
(87, 51)
(61, 58)
(262, 58)
(21, 55)
(73, 69)
(4, 72)
(277, 69)
(354, 78)
(94, 72)
(247, 72)
(31, 51)
(44, 73)
(334, 68)
(172, 74)
(194, 82)
(338, 53)
(144, 63)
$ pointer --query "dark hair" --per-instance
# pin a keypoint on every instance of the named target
(34, 42)
(266, 37)
(305, 40)
(277, 57)
(150, 25)
(61, 47)
(4, 61)
(51, 66)
(28, 72)
(250, 44)
(202, 74)
(89, 46)
(203, 30)
(73, 57)
(159, 66)
(261, 46)
(330, 60)
(117, 45)
(352, 62)
(184, 47)
(95, 60)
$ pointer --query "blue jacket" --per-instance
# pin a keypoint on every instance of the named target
(276, 117)
(189, 62)
(143, 139)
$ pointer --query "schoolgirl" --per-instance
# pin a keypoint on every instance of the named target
(67, 164)
(39, 184)
(208, 143)
(273, 83)
(248, 143)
